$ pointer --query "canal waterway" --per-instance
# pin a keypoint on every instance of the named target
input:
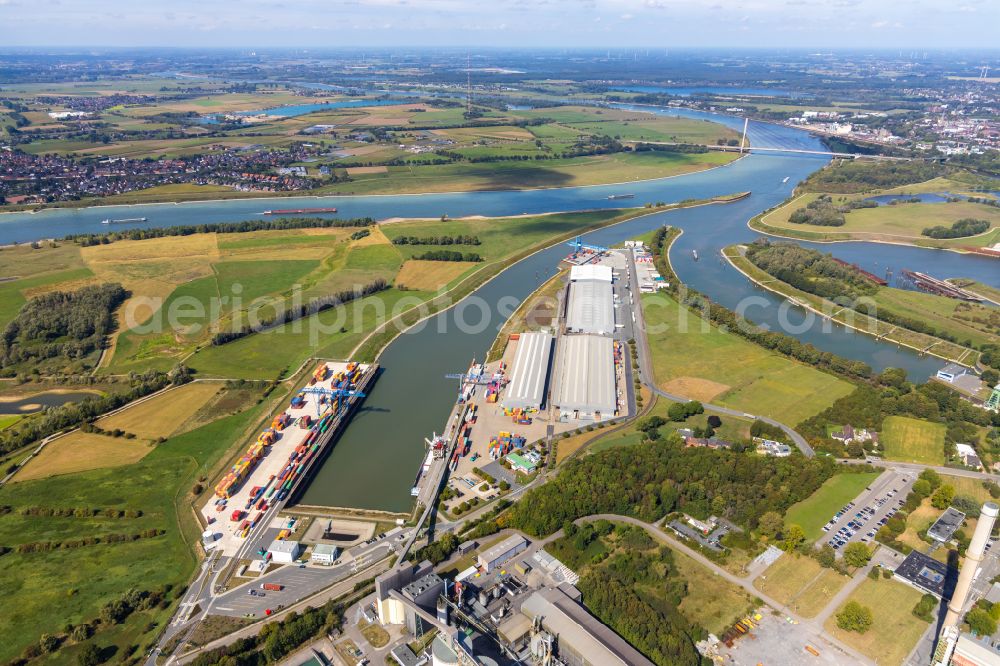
(375, 461)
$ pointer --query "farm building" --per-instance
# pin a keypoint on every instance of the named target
(585, 378)
(530, 372)
(590, 308)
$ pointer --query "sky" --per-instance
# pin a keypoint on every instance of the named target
(508, 23)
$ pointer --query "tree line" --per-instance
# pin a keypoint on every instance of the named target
(246, 226)
(437, 240)
(314, 306)
(448, 255)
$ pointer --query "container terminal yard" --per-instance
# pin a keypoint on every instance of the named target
(249, 497)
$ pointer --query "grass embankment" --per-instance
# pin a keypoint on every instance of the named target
(693, 358)
(45, 591)
(894, 631)
(813, 512)
(800, 583)
(922, 307)
(913, 440)
(900, 223)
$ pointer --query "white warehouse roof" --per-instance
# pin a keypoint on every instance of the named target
(591, 307)
(586, 375)
(590, 272)
(531, 369)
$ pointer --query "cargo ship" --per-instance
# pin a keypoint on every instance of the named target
(125, 220)
(613, 197)
(298, 211)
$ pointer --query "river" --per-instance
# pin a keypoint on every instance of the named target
(374, 462)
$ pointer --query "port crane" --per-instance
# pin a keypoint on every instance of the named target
(333, 393)
(578, 245)
(464, 378)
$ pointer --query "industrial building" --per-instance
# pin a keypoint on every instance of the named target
(423, 592)
(500, 553)
(390, 609)
(598, 272)
(946, 525)
(530, 372)
(585, 378)
(325, 554)
(284, 552)
(590, 307)
(975, 651)
(556, 623)
(924, 573)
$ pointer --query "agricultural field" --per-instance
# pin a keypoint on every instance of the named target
(567, 172)
(813, 512)
(913, 440)
(895, 631)
(147, 421)
(900, 223)
(800, 583)
(46, 591)
(700, 362)
(184, 289)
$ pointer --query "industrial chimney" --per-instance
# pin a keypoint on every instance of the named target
(973, 556)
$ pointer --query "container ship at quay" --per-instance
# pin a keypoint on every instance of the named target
(298, 211)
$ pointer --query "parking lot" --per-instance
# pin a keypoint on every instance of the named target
(860, 519)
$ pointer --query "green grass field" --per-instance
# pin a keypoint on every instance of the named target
(46, 591)
(972, 322)
(895, 631)
(899, 223)
(800, 583)
(913, 440)
(813, 512)
(693, 358)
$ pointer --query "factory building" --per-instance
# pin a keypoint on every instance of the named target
(530, 372)
(562, 626)
(493, 557)
(590, 307)
(585, 378)
(424, 593)
(391, 610)
(284, 552)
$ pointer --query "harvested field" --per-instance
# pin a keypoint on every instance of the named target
(359, 171)
(164, 414)
(80, 451)
(695, 388)
(430, 275)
